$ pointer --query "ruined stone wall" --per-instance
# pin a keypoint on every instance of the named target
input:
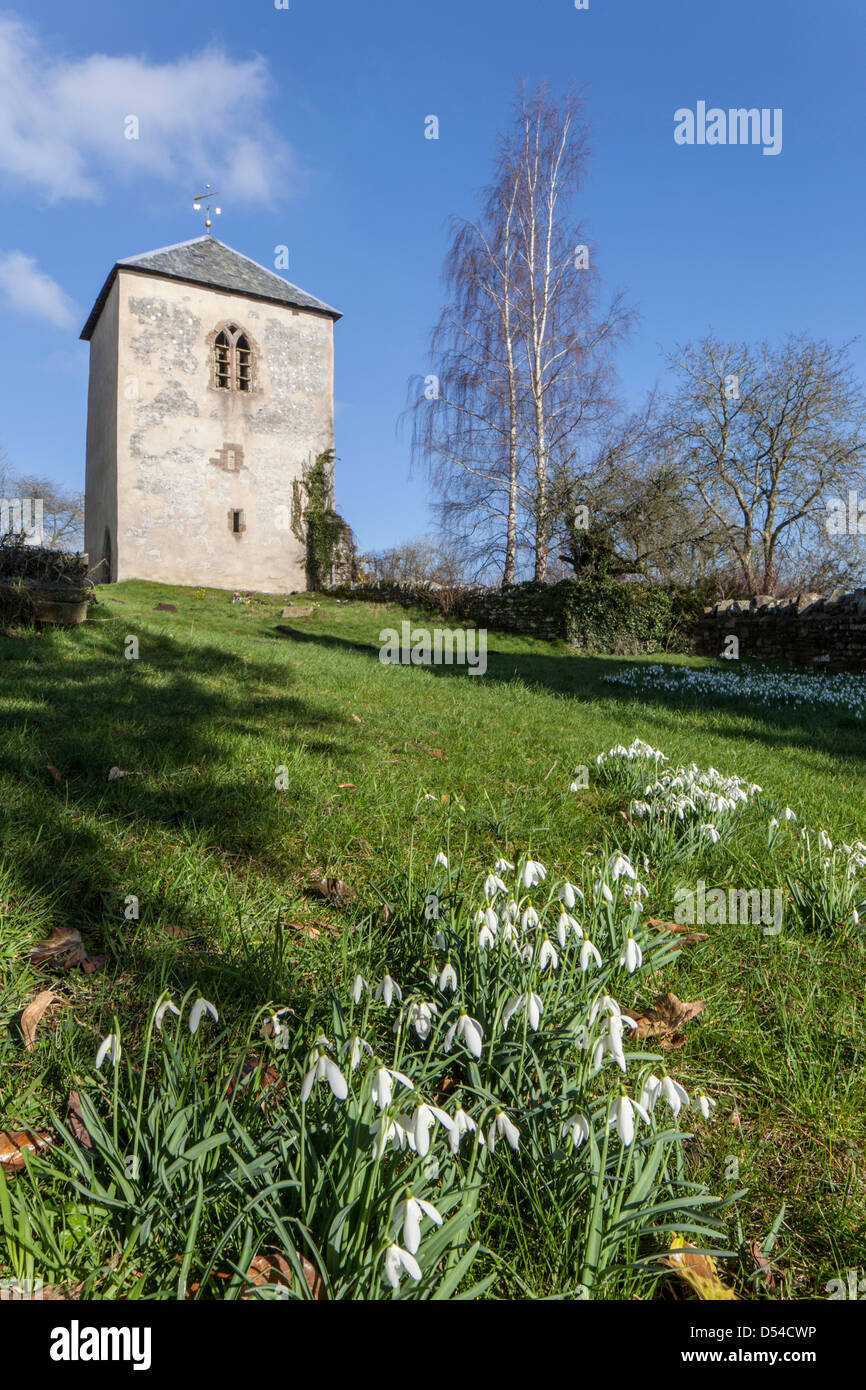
(827, 633)
(190, 454)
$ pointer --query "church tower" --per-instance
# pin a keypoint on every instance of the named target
(211, 390)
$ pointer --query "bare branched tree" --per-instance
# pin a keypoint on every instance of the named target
(520, 357)
(761, 436)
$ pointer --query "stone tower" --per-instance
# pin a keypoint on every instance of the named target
(211, 390)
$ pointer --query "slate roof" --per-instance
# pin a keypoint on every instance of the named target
(206, 261)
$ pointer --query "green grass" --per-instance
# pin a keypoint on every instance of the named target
(218, 700)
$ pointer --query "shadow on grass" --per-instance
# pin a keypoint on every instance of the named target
(584, 677)
(186, 820)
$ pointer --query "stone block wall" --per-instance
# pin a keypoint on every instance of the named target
(826, 633)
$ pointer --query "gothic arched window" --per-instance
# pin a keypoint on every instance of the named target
(232, 360)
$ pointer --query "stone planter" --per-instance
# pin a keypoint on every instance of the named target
(64, 605)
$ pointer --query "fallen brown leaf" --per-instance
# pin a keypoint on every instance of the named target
(436, 753)
(698, 1271)
(54, 773)
(346, 786)
(176, 931)
(65, 949)
(665, 1021)
(689, 938)
(275, 1269)
(75, 1120)
(334, 889)
(33, 1013)
(15, 1143)
(356, 718)
(763, 1264)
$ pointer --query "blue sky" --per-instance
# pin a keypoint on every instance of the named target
(310, 120)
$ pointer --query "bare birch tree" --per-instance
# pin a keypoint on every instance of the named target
(519, 358)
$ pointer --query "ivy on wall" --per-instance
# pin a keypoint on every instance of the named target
(316, 524)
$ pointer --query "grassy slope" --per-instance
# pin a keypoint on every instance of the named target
(218, 700)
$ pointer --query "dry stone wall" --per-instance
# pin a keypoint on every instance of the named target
(827, 633)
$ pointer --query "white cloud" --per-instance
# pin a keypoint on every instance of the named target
(62, 120)
(29, 289)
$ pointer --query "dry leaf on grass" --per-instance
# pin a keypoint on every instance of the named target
(356, 719)
(698, 1270)
(75, 1120)
(35, 1010)
(688, 937)
(269, 1080)
(275, 1269)
(436, 753)
(334, 889)
(171, 930)
(15, 1143)
(665, 1021)
(54, 773)
(763, 1264)
(65, 949)
(346, 787)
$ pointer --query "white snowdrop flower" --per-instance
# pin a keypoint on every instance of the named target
(788, 814)
(547, 955)
(510, 934)
(632, 956)
(462, 1124)
(486, 937)
(412, 1209)
(110, 1048)
(385, 1131)
(579, 1127)
(824, 840)
(635, 890)
(705, 1104)
(621, 1114)
(598, 1055)
(566, 924)
(382, 1086)
(510, 912)
(533, 1005)
(447, 977)
(469, 1030)
(588, 952)
(502, 866)
(161, 1010)
(568, 894)
(709, 832)
(613, 1040)
(396, 1261)
(387, 990)
(441, 861)
(356, 1048)
(424, 1117)
(674, 1094)
(200, 1007)
(421, 1017)
(503, 1128)
(359, 985)
(602, 890)
(324, 1068)
(491, 920)
(620, 865)
(773, 824)
(493, 884)
(533, 873)
(529, 919)
(604, 1005)
(651, 1087)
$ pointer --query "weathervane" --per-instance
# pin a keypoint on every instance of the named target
(206, 198)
